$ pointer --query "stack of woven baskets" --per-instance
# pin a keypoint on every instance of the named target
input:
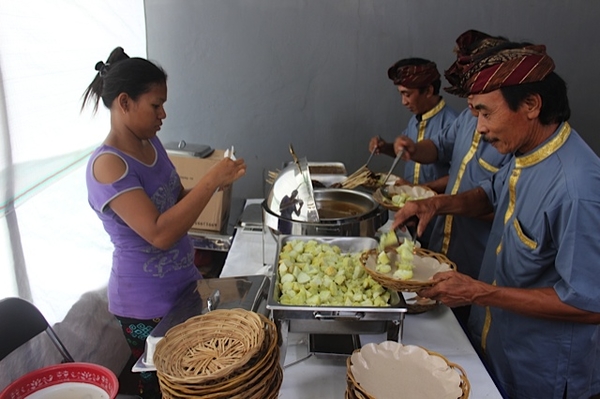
(226, 353)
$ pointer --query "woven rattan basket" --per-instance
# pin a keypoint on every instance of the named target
(222, 354)
(386, 279)
(414, 191)
(418, 305)
(355, 391)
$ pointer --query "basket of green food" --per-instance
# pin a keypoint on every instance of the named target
(403, 267)
(394, 197)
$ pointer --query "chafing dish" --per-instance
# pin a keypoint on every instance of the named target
(344, 213)
(338, 319)
(340, 211)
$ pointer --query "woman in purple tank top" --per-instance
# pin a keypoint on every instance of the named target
(137, 194)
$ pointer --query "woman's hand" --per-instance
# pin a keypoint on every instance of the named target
(226, 171)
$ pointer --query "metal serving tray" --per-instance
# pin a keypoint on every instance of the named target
(334, 319)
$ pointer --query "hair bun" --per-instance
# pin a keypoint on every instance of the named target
(101, 67)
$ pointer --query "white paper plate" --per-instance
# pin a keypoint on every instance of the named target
(387, 369)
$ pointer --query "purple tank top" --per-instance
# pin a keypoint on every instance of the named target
(145, 281)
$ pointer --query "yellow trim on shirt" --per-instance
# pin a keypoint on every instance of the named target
(421, 133)
(486, 325)
(433, 111)
(531, 244)
(526, 161)
(544, 152)
(523, 162)
(461, 171)
(487, 166)
(512, 192)
(512, 200)
(420, 136)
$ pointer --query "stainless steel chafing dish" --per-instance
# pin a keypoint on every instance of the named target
(339, 319)
(341, 212)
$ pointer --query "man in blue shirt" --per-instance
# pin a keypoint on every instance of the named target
(536, 304)
(463, 240)
(418, 82)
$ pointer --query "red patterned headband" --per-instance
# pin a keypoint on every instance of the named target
(414, 76)
(508, 67)
(469, 45)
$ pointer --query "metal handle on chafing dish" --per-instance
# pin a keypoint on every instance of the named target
(339, 315)
(212, 302)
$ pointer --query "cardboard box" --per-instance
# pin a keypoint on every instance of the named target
(191, 169)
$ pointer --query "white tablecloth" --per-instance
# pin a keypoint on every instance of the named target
(318, 377)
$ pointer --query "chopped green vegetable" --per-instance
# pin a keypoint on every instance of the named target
(311, 273)
(388, 239)
(404, 262)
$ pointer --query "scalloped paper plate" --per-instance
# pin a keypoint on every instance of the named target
(387, 369)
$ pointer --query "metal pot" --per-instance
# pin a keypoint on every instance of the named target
(342, 212)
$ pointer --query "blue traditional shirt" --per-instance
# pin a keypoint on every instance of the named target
(428, 126)
(544, 235)
(463, 240)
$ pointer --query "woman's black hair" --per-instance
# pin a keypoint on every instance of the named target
(553, 91)
(122, 74)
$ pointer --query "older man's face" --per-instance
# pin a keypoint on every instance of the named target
(507, 130)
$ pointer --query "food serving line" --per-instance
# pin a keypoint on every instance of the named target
(308, 372)
(312, 376)
(315, 341)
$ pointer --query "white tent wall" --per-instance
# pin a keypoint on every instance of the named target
(55, 252)
(260, 74)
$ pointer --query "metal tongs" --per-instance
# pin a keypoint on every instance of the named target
(393, 166)
(409, 228)
(370, 157)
